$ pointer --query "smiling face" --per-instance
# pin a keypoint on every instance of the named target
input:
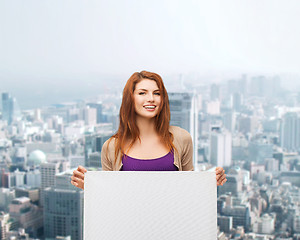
(147, 93)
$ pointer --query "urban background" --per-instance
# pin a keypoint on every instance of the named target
(232, 74)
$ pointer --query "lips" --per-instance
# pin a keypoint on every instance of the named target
(150, 109)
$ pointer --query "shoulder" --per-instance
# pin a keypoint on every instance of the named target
(180, 133)
(109, 144)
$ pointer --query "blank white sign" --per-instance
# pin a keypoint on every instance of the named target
(140, 205)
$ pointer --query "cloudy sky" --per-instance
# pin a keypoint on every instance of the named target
(47, 42)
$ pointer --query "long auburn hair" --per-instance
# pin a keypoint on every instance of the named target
(128, 128)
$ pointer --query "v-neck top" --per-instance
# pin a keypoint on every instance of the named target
(164, 163)
(183, 158)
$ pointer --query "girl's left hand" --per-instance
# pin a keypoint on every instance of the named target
(220, 176)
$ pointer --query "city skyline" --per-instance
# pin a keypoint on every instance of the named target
(246, 127)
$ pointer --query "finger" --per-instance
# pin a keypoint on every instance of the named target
(220, 173)
(75, 179)
(81, 169)
(74, 183)
(78, 174)
(221, 176)
(224, 181)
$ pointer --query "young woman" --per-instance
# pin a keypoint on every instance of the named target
(145, 141)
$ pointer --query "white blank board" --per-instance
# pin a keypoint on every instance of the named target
(152, 205)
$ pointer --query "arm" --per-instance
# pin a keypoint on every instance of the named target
(187, 156)
(105, 161)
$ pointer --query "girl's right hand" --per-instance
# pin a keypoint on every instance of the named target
(78, 177)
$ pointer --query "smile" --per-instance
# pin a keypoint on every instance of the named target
(148, 108)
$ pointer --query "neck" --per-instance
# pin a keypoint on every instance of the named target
(146, 127)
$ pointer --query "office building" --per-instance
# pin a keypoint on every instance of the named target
(220, 147)
(214, 92)
(10, 108)
(63, 211)
(225, 223)
(184, 113)
(98, 107)
(26, 214)
(259, 150)
(290, 132)
(48, 172)
(93, 144)
(240, 216)
(265, 224)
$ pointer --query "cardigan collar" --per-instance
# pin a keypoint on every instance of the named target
(177, 162)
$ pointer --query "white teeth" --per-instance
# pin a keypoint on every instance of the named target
(150, 107)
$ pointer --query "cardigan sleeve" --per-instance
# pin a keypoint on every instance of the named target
(187, 155)
(105, 161)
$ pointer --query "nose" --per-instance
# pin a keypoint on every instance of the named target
(150, 97)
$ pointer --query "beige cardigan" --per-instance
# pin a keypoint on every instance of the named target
(182, 142)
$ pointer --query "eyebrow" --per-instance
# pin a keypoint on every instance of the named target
(147, 90)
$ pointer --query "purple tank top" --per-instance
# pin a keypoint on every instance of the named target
(165, 163)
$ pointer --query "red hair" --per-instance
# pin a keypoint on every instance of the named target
(128, 128)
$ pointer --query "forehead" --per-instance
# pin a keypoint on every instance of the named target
(148, 84)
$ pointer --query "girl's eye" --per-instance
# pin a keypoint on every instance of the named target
(143, 93)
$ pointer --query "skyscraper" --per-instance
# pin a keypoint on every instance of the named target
(290, 132)
(10, 108)
(220, 148)
(214, 92)
(184, 113)
(98, 107)
(63, 211)
(237, 101)
(259, 150)
(48, 171)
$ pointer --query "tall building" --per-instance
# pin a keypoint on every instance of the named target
(220, 147)
(213, 107)
(184, 113)
(259, 150)
(63, 211)
(5, 224)
(248, 124)
(93, 144)
(90, 115)
(229, 121)
(6, 196)
(98, 107)
(240, 215)
(48, 171)
(10, 108)
(28, 215)
(73, 114)
(237, 101)
(258, 85)
(214, 92)
(296, 224)
(232, 87)
(225, 223)
(233, 185)
(242, 84)
(290, 132)
(265, 224)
